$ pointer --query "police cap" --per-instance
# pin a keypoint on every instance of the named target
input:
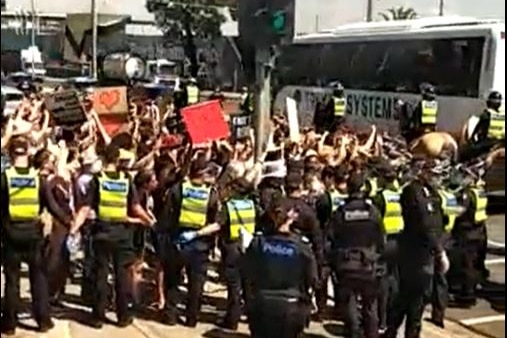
(241, 185)
(495, 97)
(355, 182)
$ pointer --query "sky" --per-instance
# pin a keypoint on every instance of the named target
(311, 15)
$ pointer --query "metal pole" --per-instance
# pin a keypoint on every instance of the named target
(441, 7)
(33, 37)
(262, 97)
(369, 10)
(94, 38)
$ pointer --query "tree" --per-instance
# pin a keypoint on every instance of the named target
(187, 20)
(399, 13)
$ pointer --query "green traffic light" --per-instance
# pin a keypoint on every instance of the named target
(278, 21)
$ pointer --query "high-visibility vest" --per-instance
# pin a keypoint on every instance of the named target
(194, 206)
(496, 128)
(24, 203)
(113, 198)
(429, 112)
(241, 215)
(393, 219)
(336, 198)
(340, 106)
(480, 201)
(449, 206)
(373, 185)
(192, 94)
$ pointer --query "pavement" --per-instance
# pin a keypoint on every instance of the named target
(486, 319)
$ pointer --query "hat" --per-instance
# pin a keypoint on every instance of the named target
(275, 169)
(241, 185)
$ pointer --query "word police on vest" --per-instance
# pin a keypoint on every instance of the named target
(196, 194)
(356, 215)
(23, 182)
(241, 205)
(114, 186)
(393, 198)
(278, 249)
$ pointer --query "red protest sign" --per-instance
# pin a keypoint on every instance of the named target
(205, 122)
(113, 123)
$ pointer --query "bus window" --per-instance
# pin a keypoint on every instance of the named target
(452, 65)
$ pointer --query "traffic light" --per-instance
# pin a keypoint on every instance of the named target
(269, 22)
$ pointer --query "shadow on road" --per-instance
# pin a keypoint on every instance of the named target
(218, 333)
(494, 293)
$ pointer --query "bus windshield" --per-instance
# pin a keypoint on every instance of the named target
(453, 65)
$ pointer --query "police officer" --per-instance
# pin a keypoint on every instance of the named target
(186, 240)
(247, 101)
(424, 116)
(469, 234)
(113, 197)
(419, 247)
(335, 180)
(22, 237)
(239, 212)
(388, 202)
(439, 290)
(339, 104)
(281, 269)
(490, 129)
(357, 234)
(192, 92)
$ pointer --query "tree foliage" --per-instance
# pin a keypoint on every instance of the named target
(187, 20)
(399, 13)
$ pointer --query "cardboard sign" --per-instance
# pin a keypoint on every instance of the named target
(65, 108)
(241, 125)
(113, 123)
(292, 117)
(205, 122)
(110, 100)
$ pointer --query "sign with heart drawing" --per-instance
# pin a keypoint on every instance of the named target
(110, 100)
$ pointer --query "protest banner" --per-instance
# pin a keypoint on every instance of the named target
(205, 122)
(292, 117)
(65, 108)
(110, 100)
(240, 125)
(113, 123)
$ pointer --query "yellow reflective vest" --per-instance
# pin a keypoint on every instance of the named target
(449, 206)
(192, 94)
(393, 219)
(194, 206)
(336, 198)
(24, 202)
(113, 198)
(371, 186)
(480, 201)
(241, 215)
(496, 128)
(429, 112)
(340, 106)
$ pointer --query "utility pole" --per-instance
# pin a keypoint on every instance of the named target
(369, 10)
(441, 7)
(263, 66)
(32, 32)
(94, 38)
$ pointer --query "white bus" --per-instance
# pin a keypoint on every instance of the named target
(380, 62)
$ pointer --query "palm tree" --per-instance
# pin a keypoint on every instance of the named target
(399, 13)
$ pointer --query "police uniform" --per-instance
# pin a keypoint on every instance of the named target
(191, 208)
(388, 202)
(280, 268)
(439, 290)
(469, 235)
(239, 212)
(22, 202)
(192, 94)
(417, 245)
(357, 240)
(423, 119)
(326, 206)
(490, 131)
(110, 195)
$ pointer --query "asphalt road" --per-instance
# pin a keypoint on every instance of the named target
(488, 315)
(487, 318)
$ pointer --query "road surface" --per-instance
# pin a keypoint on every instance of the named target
(486, 319)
